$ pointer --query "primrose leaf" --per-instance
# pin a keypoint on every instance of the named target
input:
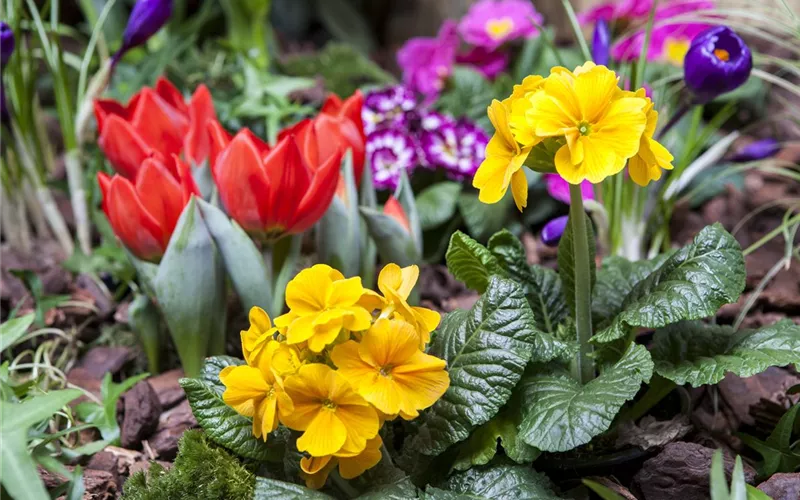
(486, 349)
(272, 489)
(777, 452)
(561, 414)
(491, 483)
(695, 353)
(691, 284)
(215, 364)
(471, 262)
(566, 260)
(402, 489)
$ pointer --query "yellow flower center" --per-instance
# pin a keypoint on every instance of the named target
(498, 28)
(386, 371)
(722, 55)
(675, 50)
(584, 128)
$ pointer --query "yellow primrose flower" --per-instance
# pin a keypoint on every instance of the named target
(255, 391)
(388, 369)
(601, 124)
(334, 417)
(652, 156)
(315, 470)
(258, 336)
(518, 104)
(503, 163)
(321, 303)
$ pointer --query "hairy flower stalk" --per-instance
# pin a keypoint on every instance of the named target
(584, 365)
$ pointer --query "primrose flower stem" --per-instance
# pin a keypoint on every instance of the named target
(583, 284)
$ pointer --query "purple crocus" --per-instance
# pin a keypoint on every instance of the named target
(458, 148)
(558, 188)
(758, 150)
(389, 152)
(387, 108)
(489, 62)
(601, 43)
(6, 44)
(491, 23)
(553, 230)
(717, 62)
(147, 17)
(427, 62)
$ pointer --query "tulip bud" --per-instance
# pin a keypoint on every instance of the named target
(553, 230)
(601, 43)
(757, 150)
(147, 17)
(6, 44)
(718, 61)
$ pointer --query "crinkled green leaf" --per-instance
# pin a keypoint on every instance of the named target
(215, 364)
(696, 353)
(691, 284)
(486, 349)
(566, 260)
(272, 489)
(562, 415)
(437, 204)
(221, 422)
(615, 280)
(471, 262)
(402, 489)
(495, 482)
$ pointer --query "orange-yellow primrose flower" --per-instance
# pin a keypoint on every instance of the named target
(315, 470)
(322, 303)
(255, 391)
(518, 104)
(503, 163)
(602, 124)
(388, 369)
(258, 336)
(652, 157)
(334, 418)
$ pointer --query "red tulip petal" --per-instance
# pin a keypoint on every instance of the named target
(262, 147)
(188, 184)
(123, 146)
(103, 108)
(218, 139)
(394, 209)
(351, 109)
(167, 91)
(161, 125)
(136, 228)
(289, 178)
(332, 105)
(105, 183)
(201, 112)
(319, 194)
(340, 133)
(355, 140)
(242, 184)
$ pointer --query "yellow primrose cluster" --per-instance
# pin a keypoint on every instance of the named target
(342, 361)
(593, 125)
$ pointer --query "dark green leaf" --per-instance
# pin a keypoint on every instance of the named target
(486, 349)
(498, 482)
(483, 220)
(562, 414)
(402, 489)
(470, 262)
(691, 284)
(602, 491)
(777, 452)
(696, 353)
(566, 260)
(272, 489)
(215, 364)
(437, 204)
(221, 422)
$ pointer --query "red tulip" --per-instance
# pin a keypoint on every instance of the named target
(394, 209)
(143, 213)
(271, 192)
(339, 124)
(156, 121)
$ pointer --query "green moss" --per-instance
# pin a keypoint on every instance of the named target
(202, 471)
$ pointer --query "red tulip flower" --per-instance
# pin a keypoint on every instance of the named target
(271, 192)
(156, 121)
(144, 213)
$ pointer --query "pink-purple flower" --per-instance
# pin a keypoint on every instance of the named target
(390, 152)
(491, 23)
(558, 188)
(489, 62)
(427, 62)
(458, 148)
(387, 108)
(625, 10)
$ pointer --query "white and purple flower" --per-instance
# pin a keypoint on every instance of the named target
(389, 152)
(387, 108)
(457, 147)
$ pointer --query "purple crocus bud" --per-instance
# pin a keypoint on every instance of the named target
(718, 61)
(5, 116)
(552, 231)
(601, 43)
(6, 44)
(757, 150)
(147, 17)
(389, 152)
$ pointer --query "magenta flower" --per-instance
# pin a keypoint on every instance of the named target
(558, 188)
(626, 10)
(389, 152)
(427, 62)
(491, 23)
(489, 62)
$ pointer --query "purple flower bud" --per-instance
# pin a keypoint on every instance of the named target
(389, 152)
(757, 150)
(718, 61)
(552, 231)
(5, 116)
(6, 44)
(601, 43)
(147, 17)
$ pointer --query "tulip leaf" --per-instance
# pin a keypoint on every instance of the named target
(695, 353)
(190, 288)
(13, 329)
(394, 243)
(566, 260)
(243, 261)
(483, 220)
(437, 204)
(691, 284)
(338, 230)
(561, 414)
(273, 489)
(486, 349)
(369, 252)
(471, 262)
(495, 482)
(405, 195)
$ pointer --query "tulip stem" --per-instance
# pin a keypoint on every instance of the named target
(584, 365)
(284, 265)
